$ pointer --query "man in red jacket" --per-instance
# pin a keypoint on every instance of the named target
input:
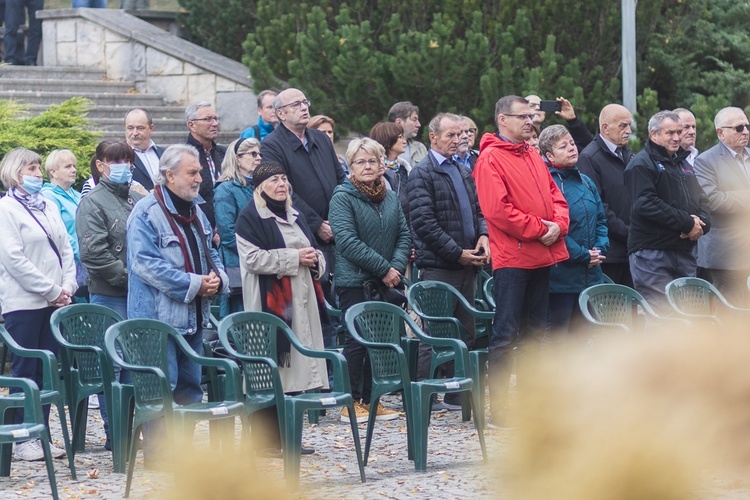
(527, 219)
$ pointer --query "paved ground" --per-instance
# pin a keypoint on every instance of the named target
(454, 468)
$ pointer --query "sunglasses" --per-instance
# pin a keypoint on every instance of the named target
(739, 128)
(254, 154)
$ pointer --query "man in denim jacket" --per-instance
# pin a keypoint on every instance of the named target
(173, 271)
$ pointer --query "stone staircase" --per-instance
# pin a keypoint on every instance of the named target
(43, 86)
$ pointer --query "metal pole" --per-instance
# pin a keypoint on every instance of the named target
(628, 55)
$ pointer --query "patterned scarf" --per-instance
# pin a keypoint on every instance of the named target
(35, 200)
(376, 192)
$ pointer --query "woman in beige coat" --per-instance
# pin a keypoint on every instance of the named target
(280, 269)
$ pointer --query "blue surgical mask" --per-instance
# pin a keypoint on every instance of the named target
(31, 184)
(120, 173)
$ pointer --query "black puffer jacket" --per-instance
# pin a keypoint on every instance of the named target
(607, 170)
(435, 216)
(665, 194)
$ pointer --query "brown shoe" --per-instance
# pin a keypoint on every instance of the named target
(360, 411)
(383, 413)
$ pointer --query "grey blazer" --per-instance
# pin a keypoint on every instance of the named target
(727, 186)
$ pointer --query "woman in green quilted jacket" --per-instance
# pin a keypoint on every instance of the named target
(372, 245)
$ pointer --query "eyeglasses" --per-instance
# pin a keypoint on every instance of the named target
(254, 154)
(373, 162)
(739, 128)
(297, 104)
(207, 119)
(522, 117)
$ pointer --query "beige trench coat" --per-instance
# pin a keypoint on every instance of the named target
(304, 373)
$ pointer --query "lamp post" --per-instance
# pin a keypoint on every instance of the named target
(628, 55)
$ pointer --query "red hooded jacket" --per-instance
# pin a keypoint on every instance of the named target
(515, 193)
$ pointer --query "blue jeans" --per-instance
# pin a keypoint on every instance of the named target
(15, 17)
(117, 304)
(94, 4)
(120, 306)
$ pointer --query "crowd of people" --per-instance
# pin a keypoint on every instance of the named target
(278, 222)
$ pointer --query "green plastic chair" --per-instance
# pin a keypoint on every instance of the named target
(250, 341)
(144, 353)
(696, 299)
(79, 329)
(378, 326)
(489, 293)
(257, 332)
(51, 392)
(433, 302)
(615, 308)
(480, 301)
(32, 426)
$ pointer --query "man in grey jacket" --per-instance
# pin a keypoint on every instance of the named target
(724, 174)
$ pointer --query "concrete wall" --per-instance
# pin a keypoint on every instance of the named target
(158, 62)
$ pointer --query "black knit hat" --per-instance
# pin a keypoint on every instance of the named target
(266, 170)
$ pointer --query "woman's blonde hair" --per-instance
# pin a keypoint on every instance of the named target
(369, 146)
(58, 158)
(259, 201)
(230, 169)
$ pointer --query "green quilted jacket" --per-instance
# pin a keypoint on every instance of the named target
(369, 239)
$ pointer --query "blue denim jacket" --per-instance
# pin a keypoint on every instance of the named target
(158, 285)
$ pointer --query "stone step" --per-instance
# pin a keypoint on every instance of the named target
(78, 86)
(52, 72)
(99, 99)
(118, 112)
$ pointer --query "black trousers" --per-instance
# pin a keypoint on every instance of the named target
(360, 372)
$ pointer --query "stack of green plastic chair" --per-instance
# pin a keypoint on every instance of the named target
(32, 426)
(51, 392)
(696, 299)
(144, 344)
(377, 326)
(79, 329)
(433, 302)
(257, 333)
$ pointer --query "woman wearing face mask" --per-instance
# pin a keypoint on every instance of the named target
(37, 271)
(232, 192)
(101, 226)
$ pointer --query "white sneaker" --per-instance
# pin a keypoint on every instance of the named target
(56, 452)
(29, 451)
(93, 402)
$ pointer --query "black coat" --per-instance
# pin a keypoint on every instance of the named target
(206, 190)
(665, 194)
(140, 172)
(313, 172)
(435, 216)
(606, 169)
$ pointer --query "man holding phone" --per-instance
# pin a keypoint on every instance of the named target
(562, 108)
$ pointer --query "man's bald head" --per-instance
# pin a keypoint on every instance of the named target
(614, 124)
